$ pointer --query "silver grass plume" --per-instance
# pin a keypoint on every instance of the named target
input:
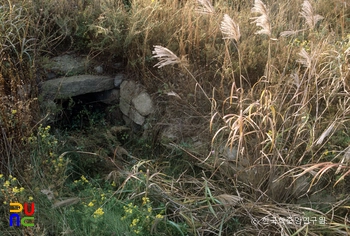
(165, 57)
(308, 13)
(207, 7)
(229, 28)
(305, 58)
(263, 20)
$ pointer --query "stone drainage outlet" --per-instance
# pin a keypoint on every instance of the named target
(86, 92)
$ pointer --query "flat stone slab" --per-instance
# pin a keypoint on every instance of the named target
(66, 87)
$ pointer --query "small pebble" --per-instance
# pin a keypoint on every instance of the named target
(98, 69)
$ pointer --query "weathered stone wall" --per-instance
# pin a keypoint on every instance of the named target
(134, 101)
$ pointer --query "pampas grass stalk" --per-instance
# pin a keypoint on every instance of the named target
(207, 7)
(263, 20)
(311, 19)
(230, 29)
(308, 13)
(167, 57)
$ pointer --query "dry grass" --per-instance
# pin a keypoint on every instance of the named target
(279, 129)
(17, 105)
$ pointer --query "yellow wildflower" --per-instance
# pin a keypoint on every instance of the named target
(1, 175)
(145, 200)
(15, 190)
(7, 183)
(21, 189)
(84, 179)
(30, 198)
(159, 216)
(90, 204)
(134, 222)
(98, 212)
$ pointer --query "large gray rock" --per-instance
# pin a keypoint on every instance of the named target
(135, 102)
(143, 104)
(124, 106)
(66, 87)
(128, 90)
(136, 117)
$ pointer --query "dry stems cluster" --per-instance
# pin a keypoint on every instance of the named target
(280, 128)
